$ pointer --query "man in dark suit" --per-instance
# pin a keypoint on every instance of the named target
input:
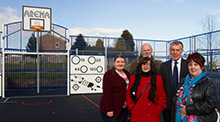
(167, 71)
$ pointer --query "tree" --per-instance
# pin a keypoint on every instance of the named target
(120, 44)
(90, 47)
(99, 44)
(31, 45)
(209, 24)
(80, 43)
(129, 43)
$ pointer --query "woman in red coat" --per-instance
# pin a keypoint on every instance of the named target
(115, 81)
(153, 100)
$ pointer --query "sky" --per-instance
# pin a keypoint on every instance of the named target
(144, 19)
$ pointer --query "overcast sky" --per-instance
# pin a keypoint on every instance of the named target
(145, 19)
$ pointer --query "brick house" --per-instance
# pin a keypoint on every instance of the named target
(52, 42)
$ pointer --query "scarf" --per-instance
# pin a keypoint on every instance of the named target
(146, 74)
(185, 97)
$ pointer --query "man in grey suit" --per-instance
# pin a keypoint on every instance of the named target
(167, 71)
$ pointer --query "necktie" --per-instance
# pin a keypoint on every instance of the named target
(175, 78)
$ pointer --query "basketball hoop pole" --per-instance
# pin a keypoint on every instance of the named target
(38, 29)
(38, 64)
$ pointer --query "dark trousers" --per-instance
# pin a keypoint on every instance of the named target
(121, 118)
(167, 115)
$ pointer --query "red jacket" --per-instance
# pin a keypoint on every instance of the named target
(114, 92)
(145, 110)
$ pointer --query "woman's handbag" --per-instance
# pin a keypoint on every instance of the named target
(129, 112)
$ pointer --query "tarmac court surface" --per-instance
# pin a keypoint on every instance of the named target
(73, 108)
(54, 108)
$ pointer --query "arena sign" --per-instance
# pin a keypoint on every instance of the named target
(36, 16)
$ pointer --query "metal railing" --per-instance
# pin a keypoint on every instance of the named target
(207, 44)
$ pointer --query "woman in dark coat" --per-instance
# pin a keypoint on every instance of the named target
(196, 96)
(115, 81)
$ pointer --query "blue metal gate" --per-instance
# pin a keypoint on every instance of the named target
(21, 74)
(20, 63)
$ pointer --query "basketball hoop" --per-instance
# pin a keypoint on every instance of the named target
(37, 28)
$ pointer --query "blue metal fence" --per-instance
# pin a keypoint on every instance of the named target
(207, 44)
(18, 39)
(196, 43)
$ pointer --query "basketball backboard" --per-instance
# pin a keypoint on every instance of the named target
(36, 16)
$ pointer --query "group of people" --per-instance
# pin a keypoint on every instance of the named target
(178, 89)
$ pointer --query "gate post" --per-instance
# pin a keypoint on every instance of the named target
(192, 44)
(106, 54)
(68, 71)
(3, 64)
